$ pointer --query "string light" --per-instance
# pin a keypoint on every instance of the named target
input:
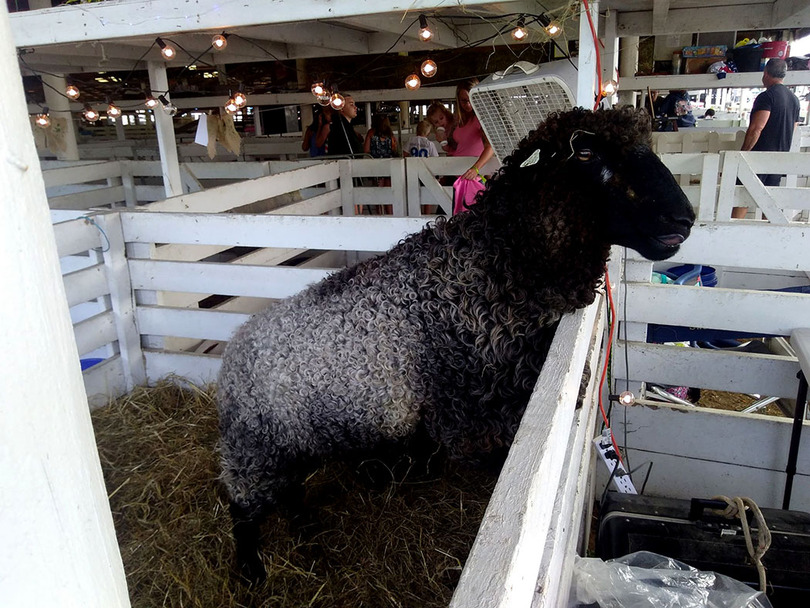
(627, 398)
(72, 92)
(318, 89)
(113, 111)
(166, 50)
(425, 33)
(413, 82)
(240, 99)
(168, 107)
(520, 33)
(220, 41)
(429, 68)
(553, 29)
(325, 98)
(337, 101)
(151, 102)
(609, 88)
(43, 120)
(231, 107)
(90, 115)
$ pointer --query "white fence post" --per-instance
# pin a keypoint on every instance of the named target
(59, 544)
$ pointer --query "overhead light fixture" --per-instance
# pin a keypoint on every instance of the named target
(425, 33)
(43, 119)
(231, 107)
(72, 92)
(318, 89)
(166, 50)
(520, 33)
(220, 41)
(240, 99)
(553, 29)
(113, 111)
(609, 88)
(151, 102)
(167, 106)
(90, 115)
(337, 101)
(413, 82)
(325, 98)
(429, 68)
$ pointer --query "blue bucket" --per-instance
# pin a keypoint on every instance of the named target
(88, 363)
(687, 272)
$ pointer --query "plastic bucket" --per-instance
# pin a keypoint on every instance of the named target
(88, 363)
(748, 58)
(708, 275)
(779, 49)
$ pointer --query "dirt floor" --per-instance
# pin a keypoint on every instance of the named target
(722, 400)
(399, 542)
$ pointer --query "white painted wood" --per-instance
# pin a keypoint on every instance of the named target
(95, 332)
(800, 341)
(760, 193)
(59, 545)
(323, 232)
(189, 323)
(164, 124)
(586, 74)
(197, 368)
(504, 562)
(708, 187)
(225, 279)
(746, 454)
(104, 381)
(79, 173)
(718, 308)
(86, 284)
(75, 236)
(86, 200)
(771, 375)
(59, 106)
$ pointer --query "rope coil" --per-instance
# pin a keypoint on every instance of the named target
(736, 508)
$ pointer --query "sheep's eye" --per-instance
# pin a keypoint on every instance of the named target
(584, 154)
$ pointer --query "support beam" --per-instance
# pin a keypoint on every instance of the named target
(610, 54)
(791, 13)
(660, 14)
(586, 74)
(167, 145)
(59, 545)
(628, 66)
(692, 20)
(60, 108)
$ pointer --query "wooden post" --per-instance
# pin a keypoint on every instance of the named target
(628, 66)
(59, 106)
(586, 74)
(55, 522)
(610, 54)
(164, 124)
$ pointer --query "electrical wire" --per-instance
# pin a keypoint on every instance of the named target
(611, 328)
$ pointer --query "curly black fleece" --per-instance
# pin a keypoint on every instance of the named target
(449, 329)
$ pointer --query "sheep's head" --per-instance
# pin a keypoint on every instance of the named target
(602, 163)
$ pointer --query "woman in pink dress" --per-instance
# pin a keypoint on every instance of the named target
(467, 138)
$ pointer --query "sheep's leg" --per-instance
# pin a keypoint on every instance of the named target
(246, 536)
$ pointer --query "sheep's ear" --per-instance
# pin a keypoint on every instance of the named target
(532, 160)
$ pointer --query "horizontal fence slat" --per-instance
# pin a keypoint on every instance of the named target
(222, 279)
(78, 174)
(188, 322)
(248, 230)
(90, 198)
(316, 205)
(196, 368)
(754, 245)
(76, 236)
(104, 381)
(86, 284)
(769, 375)
(745, 310)
(95, 332)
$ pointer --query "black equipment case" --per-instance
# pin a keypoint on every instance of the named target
(689, 532)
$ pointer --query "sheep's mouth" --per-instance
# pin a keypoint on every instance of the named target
(671, 241)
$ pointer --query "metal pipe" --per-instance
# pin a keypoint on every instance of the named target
(795, 438)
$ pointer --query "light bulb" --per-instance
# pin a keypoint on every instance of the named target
(324, 98)
(413, 82)
(429, 68)
(90, 115)
(318, 89)
(609, 88)
(231, 107)
(627, 398)
(425, 32)
(240, 99)
(113, 111)
(151, 102)
(553, 29)
(166, 50)
(43, 120)
(219, 42)
(72, 92)
(336, 101)
(520, 33)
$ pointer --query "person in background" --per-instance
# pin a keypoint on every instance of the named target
(678, 106)
(468, 135)
(380, 141)
(317, 133)
(709, 114)
(774, 116)
(343, 139)
(419, 145)
(443, 123)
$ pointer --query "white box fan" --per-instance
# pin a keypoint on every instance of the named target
(511, 103)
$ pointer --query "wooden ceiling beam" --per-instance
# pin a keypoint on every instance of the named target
(688, 21)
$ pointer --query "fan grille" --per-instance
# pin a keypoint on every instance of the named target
(509, 113)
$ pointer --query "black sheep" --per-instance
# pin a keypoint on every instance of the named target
(446, 332)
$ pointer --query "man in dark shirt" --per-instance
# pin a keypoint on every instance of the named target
(343, 139)
(773, 118)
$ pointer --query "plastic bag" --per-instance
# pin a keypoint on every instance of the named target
(649, 580)
(464, 191)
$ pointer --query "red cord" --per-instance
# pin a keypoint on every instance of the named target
(611, 328)
(598, 56)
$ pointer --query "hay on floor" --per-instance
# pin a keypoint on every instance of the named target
(399, 545)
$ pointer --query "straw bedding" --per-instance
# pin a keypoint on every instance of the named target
(396, 543)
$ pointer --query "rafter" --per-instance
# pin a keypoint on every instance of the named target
(687, 21)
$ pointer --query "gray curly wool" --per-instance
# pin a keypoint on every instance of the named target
(448, 330)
